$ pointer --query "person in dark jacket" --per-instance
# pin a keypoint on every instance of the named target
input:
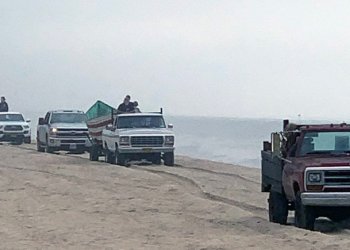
(4, 107)
(126, 107)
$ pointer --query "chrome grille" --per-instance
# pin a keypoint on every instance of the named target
(72, 134)
(147, 141)
(13, 128)
(337, 177)
(63, 132)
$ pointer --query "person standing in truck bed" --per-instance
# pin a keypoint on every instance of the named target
(4, 107)
(126, 107)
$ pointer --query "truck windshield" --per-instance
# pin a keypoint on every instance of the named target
(11, 118)
(140, 122)
(325, 143)
(68, 118)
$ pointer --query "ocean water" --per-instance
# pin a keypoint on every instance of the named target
(229, 140)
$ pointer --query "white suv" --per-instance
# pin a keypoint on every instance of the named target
(13, 128)
(139, 136)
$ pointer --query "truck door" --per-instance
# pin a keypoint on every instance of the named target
(287, 180)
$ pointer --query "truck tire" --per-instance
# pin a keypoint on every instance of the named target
(169, 159)
(304, 215)
(110, 157)
(156, 159)
(39, 147)
(278, 208)
(28, 140)
(48, 149)
(121, 159)
(339, 217)
(94, 153)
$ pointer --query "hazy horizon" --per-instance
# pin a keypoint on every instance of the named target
(242, 59)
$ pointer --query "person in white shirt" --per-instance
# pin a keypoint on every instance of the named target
(136, 107)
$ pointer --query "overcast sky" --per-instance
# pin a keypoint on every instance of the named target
(213, 58)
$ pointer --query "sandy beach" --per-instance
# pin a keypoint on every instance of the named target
(62, 201)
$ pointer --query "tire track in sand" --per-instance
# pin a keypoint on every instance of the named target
(203, 194)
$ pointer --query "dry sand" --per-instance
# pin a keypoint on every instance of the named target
(52, 201)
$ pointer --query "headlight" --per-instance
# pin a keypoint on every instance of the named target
(124, 140)
(169, 140)
(25, 126)
(314, 177)
(53, 130)
(1, 126)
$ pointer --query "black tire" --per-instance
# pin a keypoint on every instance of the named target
(339, 217)
(18, 141)
(110, 157)
(157, 159)
(278, 208)
(39, 147)
(304, 215)
(121, 159)
(169, 159)
(28, 140)
(48, 149)
(94, 153)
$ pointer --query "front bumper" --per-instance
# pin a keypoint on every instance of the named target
(326, 199)
(145, 150)
(13, 136)
(69, 143)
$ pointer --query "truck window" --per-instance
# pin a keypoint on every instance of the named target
(47, 118)
(325, 143)
(140, 122)
(11, 118)
(68, 118)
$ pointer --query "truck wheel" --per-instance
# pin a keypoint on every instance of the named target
(169, 159)
(94, 153)
(39, 147)
(339, 217)
(110, 157)
(304, 215)
(278, 208)
(121, 159)
(18, 141)
(157, 159)
(28, 140)
(48, 149)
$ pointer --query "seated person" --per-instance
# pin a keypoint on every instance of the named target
(136, 107)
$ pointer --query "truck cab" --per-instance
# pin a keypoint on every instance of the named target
(63, 130)
(306, 168)
(139, 136)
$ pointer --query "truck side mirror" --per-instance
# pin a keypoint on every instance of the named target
(170, 126)
(276, 143)
(41, 121)
(28, 121)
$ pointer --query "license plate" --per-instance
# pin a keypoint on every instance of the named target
(147, 150)
(13, 136)
(73, 146)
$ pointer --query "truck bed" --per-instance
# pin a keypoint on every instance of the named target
(271, 172)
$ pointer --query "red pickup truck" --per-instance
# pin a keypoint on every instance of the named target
(306, 168)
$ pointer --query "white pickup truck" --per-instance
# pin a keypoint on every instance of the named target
(63, 130)
(13, 128)
(139, 136)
